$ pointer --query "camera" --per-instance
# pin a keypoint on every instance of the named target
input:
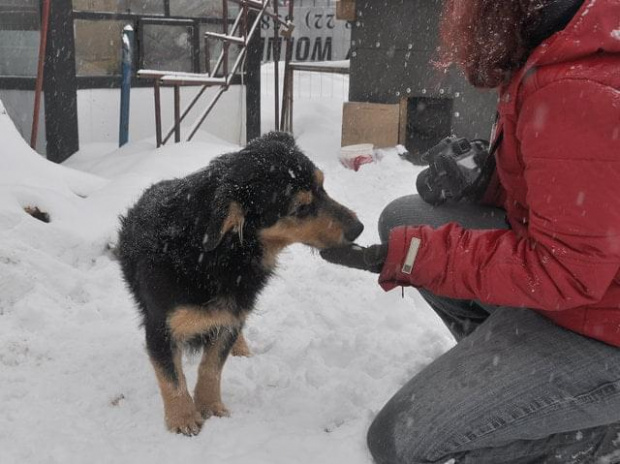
(454, 169)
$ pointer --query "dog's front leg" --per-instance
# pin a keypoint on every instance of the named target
(207, 394)
(180, 412)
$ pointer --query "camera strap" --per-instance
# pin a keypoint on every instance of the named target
(479, 187)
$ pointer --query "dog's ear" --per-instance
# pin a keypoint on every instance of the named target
(227, 218)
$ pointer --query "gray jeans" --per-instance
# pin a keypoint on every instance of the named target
(516, 389)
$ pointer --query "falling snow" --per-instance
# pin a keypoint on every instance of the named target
(329, 346)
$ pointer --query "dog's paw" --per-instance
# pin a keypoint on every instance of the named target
(241, 348)
(188, 422)
(215, 409)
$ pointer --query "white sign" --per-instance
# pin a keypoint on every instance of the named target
(318, 35)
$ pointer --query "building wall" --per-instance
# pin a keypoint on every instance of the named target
(393, 49)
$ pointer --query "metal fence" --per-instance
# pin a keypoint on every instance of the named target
(318, 37)
(307, 85)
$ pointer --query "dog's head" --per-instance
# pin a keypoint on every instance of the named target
(273, 192)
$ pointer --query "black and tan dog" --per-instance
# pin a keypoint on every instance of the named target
(195, 252)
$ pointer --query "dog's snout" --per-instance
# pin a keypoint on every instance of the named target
(354, 231)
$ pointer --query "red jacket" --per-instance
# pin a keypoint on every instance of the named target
(558, 168)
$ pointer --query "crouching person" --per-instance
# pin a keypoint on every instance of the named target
(524, 269)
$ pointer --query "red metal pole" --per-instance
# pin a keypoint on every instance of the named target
(40, 72)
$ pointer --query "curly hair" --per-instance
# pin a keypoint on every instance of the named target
(488, 39)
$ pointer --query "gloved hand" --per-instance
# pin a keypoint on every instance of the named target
(454, 170)
(370, 259)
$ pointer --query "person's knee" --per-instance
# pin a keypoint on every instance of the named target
(380, 439)
(386, 221)
(389, 442)
(397, 213)
(406, 432)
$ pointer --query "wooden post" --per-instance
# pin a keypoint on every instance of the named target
(157, 91)
(60, 86)
(287, 101)
(287, 92)
(276, 64)
(225, 43)
(40, 73)
(253, 84)
(177, 114)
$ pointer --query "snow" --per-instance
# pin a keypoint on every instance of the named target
(330, 347)
(586, 12)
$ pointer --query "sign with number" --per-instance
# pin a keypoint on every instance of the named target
(318, 35)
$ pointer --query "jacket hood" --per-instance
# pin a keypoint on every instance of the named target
(554, 16)
(594, 28)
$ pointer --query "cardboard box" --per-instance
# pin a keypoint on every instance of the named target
(345, 10)
(374, 123)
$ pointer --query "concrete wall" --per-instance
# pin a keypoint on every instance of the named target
(19, 105)
(98, 114)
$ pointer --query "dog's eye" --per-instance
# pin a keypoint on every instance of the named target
(302, 211)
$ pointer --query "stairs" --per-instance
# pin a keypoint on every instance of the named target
(239, 35)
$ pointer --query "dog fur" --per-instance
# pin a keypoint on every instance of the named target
(197, 251)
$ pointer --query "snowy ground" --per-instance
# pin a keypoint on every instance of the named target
(76, 386)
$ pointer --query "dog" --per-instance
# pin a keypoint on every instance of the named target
(196, 252)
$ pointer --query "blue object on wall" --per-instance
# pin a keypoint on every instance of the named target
(127, 64)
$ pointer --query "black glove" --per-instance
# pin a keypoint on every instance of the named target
(367, 259)
(454, 171)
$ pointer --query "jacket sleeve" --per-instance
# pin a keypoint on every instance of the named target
(569, 134)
